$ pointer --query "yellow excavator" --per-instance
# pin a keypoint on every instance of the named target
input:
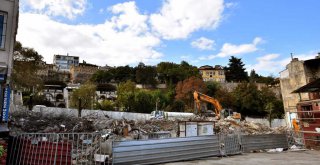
(219, 111)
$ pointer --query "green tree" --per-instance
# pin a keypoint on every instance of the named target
(123, 73)
(253, 76)
(162, 98)
(85, 94)
(172, 73)
(248, 100)
(126, 95)
(105, 105)
(226, 99)
(212, 88)
(235, 71)
(143, 102)
(273, 105)
(177, 106)
(26, 63)
(146, 75)
(102, 77)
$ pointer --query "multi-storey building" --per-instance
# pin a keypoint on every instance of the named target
(308, 114)
(64, 62)
(297, 74)
(8, 30)
(82, 72)
(210, 73)
(9, 13)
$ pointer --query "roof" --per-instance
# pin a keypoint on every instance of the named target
(206, 67)
(314, 86)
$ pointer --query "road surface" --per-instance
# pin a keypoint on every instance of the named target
(310, 157)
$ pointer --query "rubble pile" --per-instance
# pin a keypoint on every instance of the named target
(229, 126)
(28, 121)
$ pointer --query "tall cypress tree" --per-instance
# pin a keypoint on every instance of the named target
(235, 71)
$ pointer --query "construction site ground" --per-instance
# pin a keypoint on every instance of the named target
(309, 157)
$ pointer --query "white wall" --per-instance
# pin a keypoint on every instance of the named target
(274, 122)
(92, 113)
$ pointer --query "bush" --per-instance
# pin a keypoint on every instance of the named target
(106, 105)
(177, 106)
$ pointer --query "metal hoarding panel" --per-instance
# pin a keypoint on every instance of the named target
(165, 150)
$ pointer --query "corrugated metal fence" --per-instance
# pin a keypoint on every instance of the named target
(165, 150)
(267, 141)
(178, 149)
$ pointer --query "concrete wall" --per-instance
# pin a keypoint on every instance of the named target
(274, 122)
(230, 86)
(292, 78)
(92, 113)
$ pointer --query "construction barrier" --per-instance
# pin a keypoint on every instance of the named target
(95, 148)
(261, 142)
(231, 144)
(54, 149)
(165, 150)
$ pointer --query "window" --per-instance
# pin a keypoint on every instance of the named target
(307, 114)
(3, 25)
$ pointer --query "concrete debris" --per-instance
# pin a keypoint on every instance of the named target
(230, 126)
(28, 121)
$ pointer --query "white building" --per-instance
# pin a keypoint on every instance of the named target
(64, 62)
(8, 29)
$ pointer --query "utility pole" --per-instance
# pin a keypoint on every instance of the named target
(79, 107)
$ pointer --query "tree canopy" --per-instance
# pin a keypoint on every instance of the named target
(235, 70)
(185, 89)
(26, 63)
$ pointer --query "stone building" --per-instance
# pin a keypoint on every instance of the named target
(82, 72)
(297, 74)
(210, 73)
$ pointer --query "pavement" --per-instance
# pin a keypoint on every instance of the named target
(309, 157)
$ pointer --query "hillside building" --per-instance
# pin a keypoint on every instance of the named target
(209, 73)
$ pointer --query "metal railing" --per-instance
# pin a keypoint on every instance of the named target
(59, 148)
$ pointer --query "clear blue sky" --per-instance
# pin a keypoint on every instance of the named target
(201, 32)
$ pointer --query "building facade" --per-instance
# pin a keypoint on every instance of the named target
(308, 114)
(210, 73)
(82, 72)
(297, 74)
(8, 30)
(64, 62)
(9, 13)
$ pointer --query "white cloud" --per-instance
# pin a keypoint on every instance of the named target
(124, 39)
(232, 50)
(230, 5)
(177, 19)
(203, 43)
(270, 63)
(66, 8)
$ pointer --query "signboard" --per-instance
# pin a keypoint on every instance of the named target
(6, 104)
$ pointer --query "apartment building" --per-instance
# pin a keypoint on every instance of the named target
(64, 62)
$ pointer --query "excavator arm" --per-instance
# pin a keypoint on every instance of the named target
(199, 97)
